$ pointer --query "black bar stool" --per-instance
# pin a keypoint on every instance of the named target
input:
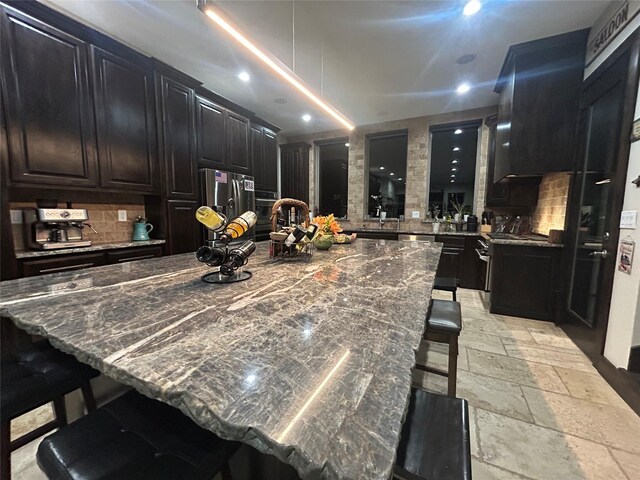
(134, 437)
(435, 441)
(448, 284)
(444, 323)
(31, 377)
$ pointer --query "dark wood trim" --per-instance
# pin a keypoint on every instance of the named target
(634, 360)
(621, 381)
(331, 141)
(175, 74)
(263, 123)
(295, 145)
(389, 134)
(220, 100)
(8, 264)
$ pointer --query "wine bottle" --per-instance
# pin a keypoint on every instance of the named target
(292, 217)
(209, 218)
(311, 231)
(294, 237)
(237, 257)
(238, 226)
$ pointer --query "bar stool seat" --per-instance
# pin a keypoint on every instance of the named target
(34, 375)
(134, 437)
(435, 441)
(447, 284)
(443, 325)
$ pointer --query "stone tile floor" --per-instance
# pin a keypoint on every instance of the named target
(539, 410)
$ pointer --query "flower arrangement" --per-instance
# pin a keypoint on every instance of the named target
(327, 225)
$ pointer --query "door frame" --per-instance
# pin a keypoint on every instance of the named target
(575, 328)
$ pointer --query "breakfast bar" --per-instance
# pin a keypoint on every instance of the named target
(308, 361)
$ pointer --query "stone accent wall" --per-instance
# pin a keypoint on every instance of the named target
(418, 151)
(102, 217)
(552, 203)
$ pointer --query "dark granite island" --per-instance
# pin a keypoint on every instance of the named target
(310, 362)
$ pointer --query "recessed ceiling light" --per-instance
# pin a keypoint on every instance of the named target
(456, 149)
(454, 169)
(381, 168)
(452, 181)
(306, 117)
(454, 161)
(464, 59)
(463, 88)
(399, 178)
(346, 144)
(244, 76)
(271, 61)
(472, 7)
(392, 174)
(453, 176)
(458, 131)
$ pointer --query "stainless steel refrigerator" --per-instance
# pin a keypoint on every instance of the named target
(229, 193)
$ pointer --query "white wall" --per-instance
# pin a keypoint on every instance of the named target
(625, 308)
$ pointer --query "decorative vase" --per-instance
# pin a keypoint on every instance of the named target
(141, 231)
(323, 241)
(459, 227)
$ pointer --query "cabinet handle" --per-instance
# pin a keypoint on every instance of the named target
(129, 259)
(68, 267)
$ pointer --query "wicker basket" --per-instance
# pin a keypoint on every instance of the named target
(277, 248)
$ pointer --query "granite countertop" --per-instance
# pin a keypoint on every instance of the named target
(410, 232)
(524, 242)
(93, 248)
(310, 362)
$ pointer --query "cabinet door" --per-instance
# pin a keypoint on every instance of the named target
(269, 161)
(504, 128)
(125, 120)
(184, 231)
(210, 127)
(295, 172)
(49, 110)
(43, 266)
(237, 143)
(178, 140)
(257, 157)
(497, 193)
(450, 264)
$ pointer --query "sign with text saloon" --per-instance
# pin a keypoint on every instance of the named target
(609, 25)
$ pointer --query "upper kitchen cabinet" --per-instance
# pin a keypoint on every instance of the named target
(49, 110)
(264, 156)
(177, 125)
(210, 126)
(125, 120)
(237, 143)
(294, 171)
(539, 87)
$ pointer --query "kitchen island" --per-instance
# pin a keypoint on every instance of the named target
(310, 362)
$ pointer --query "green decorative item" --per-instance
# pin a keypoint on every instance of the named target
(323, 242)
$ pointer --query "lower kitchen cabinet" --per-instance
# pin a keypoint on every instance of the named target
(183, 231)
(460, 260)
(525, 280)
(42, 266)
(65, 263)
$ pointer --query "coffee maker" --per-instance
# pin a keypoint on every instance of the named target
(54, 228)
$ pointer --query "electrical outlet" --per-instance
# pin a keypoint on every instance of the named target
(415, 214)
(122, 215)
(16, 217)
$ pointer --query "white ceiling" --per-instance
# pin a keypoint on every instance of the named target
(373, 60)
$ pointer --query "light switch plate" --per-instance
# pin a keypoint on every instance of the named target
(122, 215)
(628, 219)
(415, 214)
(16, 217)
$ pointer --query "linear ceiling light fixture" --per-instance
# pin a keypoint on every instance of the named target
(271, 61)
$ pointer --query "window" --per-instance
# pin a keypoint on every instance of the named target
(333, 178)
(387, 174)
(453, 168)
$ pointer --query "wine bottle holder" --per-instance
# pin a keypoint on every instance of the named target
(279, 251)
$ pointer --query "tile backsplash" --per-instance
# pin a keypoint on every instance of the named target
(102, 217)
(552, 203)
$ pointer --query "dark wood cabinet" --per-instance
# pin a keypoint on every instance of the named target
(49, 110)
(508, 192)
(184, 234)
(237, 133)
(460, 260)
(264, 158)
(65, 263)
(210, 126)
(294, 171)
(125, 120)
(525, 280)
(178, 139)
(133, 254)
(539, 87)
